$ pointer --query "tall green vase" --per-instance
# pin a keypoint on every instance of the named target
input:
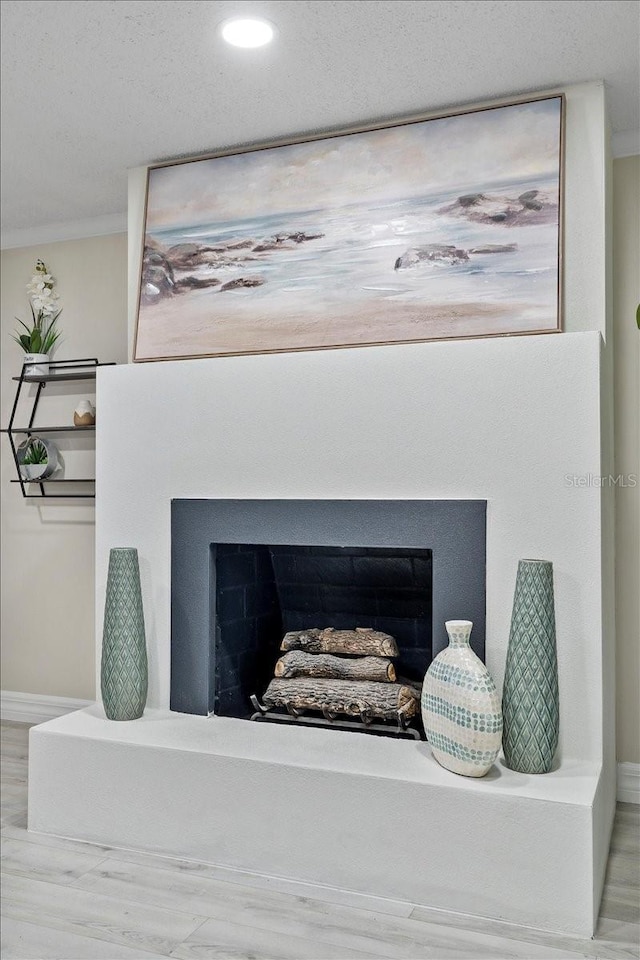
(530, 701)
(124, 672)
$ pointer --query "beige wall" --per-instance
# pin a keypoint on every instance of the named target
(626, 295)
(48, 549)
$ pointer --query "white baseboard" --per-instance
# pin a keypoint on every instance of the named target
(36, 708)
(629, 782)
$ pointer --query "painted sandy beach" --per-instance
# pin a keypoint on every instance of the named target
(258, 272)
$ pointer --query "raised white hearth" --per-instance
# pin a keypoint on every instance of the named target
(367, 815)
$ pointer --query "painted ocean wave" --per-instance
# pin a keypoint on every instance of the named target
(355, 258)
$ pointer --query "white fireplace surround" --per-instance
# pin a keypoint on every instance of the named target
(513, 421)
(509, 421)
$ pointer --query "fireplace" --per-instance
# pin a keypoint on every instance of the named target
(264, 591)
(244, 573)
(505, 421)
(386, 424)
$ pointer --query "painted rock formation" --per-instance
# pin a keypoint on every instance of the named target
(530, 207)
(432, 252)
(174, 270)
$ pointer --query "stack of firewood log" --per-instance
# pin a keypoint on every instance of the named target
(338, 672)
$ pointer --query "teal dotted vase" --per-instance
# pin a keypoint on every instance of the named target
(461, 707)
(530, 700)
(124, 673)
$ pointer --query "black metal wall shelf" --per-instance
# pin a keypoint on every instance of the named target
(60, 377)
(60, 371)
(70, 429)
(58, 480)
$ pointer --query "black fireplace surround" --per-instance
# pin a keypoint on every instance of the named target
(243, 572)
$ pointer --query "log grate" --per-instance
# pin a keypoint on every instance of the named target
(403, 728)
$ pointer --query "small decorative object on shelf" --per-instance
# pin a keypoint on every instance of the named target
(124, 673)
(57, 371)
(84, 414)
(461, 707)
(38, 458)
(39, 338)
(530, 700)
(36, 363)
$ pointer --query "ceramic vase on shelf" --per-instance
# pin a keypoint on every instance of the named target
(461, 707)
(84, 414)
(124, 675)
(530, 700)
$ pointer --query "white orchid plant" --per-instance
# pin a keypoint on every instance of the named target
(43, 333)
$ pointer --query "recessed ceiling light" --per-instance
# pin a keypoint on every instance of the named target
(245, 32)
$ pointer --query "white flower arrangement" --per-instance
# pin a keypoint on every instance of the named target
(43, 333)
(41, 292)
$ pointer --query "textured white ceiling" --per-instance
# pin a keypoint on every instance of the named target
(92, 87)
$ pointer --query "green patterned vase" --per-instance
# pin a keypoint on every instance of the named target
(530, 702)
(124, 675)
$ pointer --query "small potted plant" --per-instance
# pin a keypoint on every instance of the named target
(37, 458)
(41, 335)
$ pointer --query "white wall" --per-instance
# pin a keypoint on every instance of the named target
(626, 296)
(48, 549)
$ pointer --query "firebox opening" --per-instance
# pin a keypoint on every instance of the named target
(263, 591)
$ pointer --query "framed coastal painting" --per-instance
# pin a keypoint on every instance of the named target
(430, 229)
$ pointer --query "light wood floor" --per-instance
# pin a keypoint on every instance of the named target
(76, 901)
